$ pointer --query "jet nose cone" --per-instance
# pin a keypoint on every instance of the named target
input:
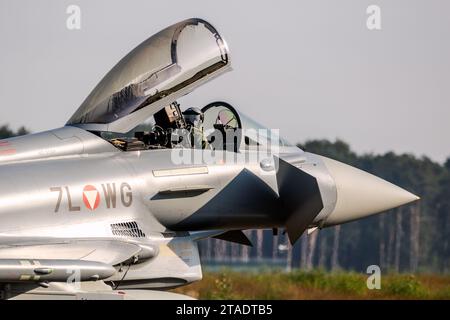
(360, 194)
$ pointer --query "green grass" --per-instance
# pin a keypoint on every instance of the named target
(316, 284)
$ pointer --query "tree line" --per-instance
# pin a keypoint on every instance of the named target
(411, 238)
(7, 132)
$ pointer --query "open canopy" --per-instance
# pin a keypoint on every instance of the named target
(166, 66)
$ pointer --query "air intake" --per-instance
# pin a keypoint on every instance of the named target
(127, 229)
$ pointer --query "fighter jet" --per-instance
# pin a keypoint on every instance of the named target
(113, 204)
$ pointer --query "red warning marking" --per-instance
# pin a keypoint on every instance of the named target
(91, 197)
(6, 144)
(7, 151)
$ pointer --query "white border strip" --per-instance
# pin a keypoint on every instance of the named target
(180, 172)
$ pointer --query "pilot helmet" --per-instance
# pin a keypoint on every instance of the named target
(193, 116)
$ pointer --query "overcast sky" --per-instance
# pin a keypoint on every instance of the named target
(310, 68)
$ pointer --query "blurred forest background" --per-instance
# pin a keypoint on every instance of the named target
(413, 238)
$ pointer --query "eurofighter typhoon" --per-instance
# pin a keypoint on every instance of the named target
(113, 204)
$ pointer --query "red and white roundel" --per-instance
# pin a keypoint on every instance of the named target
(91, 197)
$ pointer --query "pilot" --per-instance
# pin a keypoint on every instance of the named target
(194, 120)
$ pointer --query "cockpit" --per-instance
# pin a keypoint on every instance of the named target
(216, 126)
(146, 84)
